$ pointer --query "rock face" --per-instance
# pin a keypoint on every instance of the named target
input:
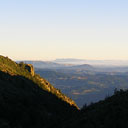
(30, 68)
(56, 92)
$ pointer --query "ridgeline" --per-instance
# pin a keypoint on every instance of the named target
(27, 100)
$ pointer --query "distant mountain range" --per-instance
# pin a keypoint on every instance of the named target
(53, 65)
(70, 62)
(93, 62)
(74, 64)
(44, 64)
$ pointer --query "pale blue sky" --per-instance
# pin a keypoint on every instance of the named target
(49, 29)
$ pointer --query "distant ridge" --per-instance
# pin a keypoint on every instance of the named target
(53, 65)
(43, 64)
(92, 62)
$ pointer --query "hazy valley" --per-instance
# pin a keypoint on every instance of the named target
(83, 83)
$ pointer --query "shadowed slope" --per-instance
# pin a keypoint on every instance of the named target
(12, 68)
(109, 113)
(29, 101)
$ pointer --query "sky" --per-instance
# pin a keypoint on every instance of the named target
(50, 29)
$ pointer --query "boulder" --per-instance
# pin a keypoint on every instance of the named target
(30, 68)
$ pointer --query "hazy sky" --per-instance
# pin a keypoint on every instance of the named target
(49, 29)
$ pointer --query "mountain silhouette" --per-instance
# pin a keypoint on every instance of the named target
(27, 100)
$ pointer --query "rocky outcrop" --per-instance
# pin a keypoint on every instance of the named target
(30, 68)
(56, 92)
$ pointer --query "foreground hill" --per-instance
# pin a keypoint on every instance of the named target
(27, 100)
(27, 71)
(109, 113)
